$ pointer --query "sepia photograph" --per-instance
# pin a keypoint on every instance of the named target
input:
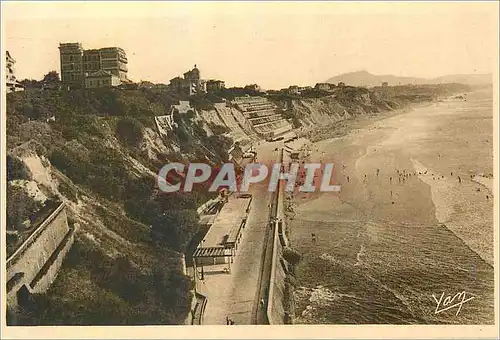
(225, 164)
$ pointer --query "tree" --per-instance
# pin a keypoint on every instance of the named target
(137, 192)
(20, 207)
(31, 83)
(51, 80)
(130, 131)
(51, 77)
(176, 228)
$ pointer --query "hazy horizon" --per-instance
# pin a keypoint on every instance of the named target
(272, 44)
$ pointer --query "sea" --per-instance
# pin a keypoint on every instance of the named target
(412, 251)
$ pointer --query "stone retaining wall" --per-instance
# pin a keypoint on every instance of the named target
(36, 262)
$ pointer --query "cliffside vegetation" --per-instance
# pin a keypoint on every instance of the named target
(325, 113)
(101, 151)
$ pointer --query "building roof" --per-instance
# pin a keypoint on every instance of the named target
(212, 252)
(73, 45)
(227, 223)
(111, 49)
(91, 51)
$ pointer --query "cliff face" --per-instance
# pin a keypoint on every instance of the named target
(349, 102)
(344, 103)
(318, 112)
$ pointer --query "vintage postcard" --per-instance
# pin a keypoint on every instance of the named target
(320, 169)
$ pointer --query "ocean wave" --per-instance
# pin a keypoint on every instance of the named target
(360, 255)
(318, 298)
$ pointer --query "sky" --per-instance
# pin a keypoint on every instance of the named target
(272, 44)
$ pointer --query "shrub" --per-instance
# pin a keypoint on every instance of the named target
(174, 220)
(68, 191)
(190, 115)
(137, 193)
(122, 293)
(20, 207)
(102, 170)
(130, 131)
(78, 126)
(291, 280)
(218, 129)
(16, 169)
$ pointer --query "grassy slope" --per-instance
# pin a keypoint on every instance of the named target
(116, 272)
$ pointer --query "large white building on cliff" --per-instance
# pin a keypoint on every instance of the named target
(104, 67)
(190, 84)
(11, 82)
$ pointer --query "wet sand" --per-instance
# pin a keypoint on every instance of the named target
(390, 240)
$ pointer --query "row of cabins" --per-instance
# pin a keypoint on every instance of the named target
(220, 244)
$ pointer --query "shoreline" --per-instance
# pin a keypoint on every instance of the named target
(377, 208)
(342, 128)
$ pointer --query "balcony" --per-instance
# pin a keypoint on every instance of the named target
(123, 67)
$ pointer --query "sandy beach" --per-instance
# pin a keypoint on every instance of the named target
(414, 219)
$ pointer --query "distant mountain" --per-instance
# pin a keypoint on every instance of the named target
(364, 78)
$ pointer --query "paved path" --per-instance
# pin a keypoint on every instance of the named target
(236, 295)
